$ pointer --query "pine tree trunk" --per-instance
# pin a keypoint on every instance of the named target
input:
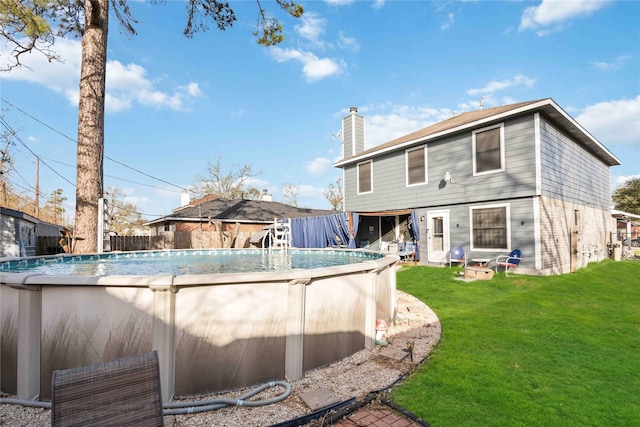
(89, 178)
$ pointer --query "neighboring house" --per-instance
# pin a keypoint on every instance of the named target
(524, 175)
(19, 232)
(226, 222)
(628, 227)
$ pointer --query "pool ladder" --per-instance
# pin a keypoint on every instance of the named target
(279, 236)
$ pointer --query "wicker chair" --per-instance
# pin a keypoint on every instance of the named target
(122, 392)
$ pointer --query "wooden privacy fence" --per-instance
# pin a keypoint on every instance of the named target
(181, 240)
(50, 245)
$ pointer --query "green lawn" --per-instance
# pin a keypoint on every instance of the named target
(525, 350)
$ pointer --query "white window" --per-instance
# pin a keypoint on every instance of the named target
(490, 228)
(365, 181)
(416, 161)
(488, 149)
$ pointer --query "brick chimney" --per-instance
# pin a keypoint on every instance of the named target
(352, 133)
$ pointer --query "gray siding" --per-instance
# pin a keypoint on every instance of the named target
(521, 230)
(352, 135)
(347, 138)
(452, 154)
(570, 173)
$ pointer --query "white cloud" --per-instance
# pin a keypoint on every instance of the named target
(349, 43)
(193, 89)
(137, 200)
(378, 4)
(113, 104)
(61, 77)
(612, 65)
(317, 165)
(622, 180)
(496, 86)
(307, 190)
(309, 195)
(238, 113)
(257, 183)
(552, 15)
(312, 28)
(398, 120)
(126, 85)
(314, 68)
(447, 21)
(339, 2)
(613, 122)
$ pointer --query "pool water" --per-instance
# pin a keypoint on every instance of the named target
(181, 262)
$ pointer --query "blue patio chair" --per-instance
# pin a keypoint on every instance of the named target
(457, 256)
(509, 261)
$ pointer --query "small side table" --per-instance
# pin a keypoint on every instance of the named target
(481, 262)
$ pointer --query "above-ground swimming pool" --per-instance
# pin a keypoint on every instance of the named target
(209, 261)
(219, 319)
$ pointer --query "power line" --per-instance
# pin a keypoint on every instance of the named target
(30, 190)
(115, 177)
(15, 135)
(146, 174)
(105, 156)
(11, 167)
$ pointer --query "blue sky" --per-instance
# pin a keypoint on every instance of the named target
(174, 103)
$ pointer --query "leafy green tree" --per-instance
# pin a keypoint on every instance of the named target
(253, 194)
(233, 184)
(33, 25)
(627, 197)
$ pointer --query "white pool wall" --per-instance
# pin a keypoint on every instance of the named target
(212, 332)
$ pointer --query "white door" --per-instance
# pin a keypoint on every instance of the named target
(437, 236)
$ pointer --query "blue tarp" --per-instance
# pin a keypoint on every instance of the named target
(416, 233)
(321, 231)
(353, 231)
(336, 230)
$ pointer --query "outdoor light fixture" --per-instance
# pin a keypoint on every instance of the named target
(447, 178)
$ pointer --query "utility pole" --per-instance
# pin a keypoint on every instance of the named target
(4, 160)
(37, 209)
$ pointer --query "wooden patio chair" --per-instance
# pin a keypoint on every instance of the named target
(122, 392)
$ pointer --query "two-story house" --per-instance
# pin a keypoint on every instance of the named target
(524, 175)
